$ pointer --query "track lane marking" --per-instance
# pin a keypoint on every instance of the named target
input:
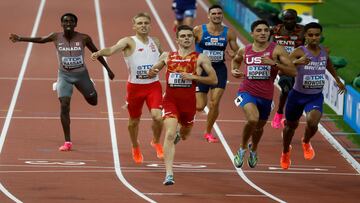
(17, 90)
(110, 111)
(216, 127)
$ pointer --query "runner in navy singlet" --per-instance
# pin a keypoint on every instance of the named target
(212, 39)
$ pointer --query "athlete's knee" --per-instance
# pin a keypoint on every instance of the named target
(133, 123)
(157, 118)
(312, 123)
(291, 124)
(214, 104)
(65, 104)
(252, 122)
(93, 100)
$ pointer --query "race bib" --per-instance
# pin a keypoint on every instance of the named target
(71, 62)
(289, 49)
(141, 71)
(175, 80)
(258, 72)
(313, 81)
(214, 55)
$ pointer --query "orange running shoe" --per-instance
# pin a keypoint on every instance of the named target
(137, 156)
(159, 150)
(309, 152)
(285, 160)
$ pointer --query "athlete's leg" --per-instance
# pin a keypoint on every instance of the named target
(252, 117)
(157, 124)
(288, 133)
(215, 97)
(201, 100)
(65, 116)
(312, 120)
(256, 136)
(169, 146)
(133, 128)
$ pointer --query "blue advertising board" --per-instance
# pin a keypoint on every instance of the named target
(352, 108)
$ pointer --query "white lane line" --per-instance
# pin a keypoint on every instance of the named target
(298, 169)
(17, 90)
(201, 194)
(111, 114)
(216, 127)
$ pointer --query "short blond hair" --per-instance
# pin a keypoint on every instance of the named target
(142, 14)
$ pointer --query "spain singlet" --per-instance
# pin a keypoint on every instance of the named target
(259, 78)
(70, 52)
(139, 62)
(289, 41)
(177, 89)
(310, 78)
(213, 46)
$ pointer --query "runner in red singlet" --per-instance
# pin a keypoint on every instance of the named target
(184, 69)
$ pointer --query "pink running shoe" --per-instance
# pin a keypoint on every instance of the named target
(66, 147)
(276, 122)
(210, 138)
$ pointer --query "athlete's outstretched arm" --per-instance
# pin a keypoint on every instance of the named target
(121, 45)
(91, 46)
(156, 68)
(332, 71)
(16, 38)
(236, 62)
(203, 63)
(232, 41)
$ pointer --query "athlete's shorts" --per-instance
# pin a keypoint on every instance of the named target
(297, 102)
(184, 11)
(182, 111)
(221, 73)
(137, 94)
(264, 106)
(81, 80)
(286, 83)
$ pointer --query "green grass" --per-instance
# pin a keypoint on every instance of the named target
(342, 125)
(340, 20)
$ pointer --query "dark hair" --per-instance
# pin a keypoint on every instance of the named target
(292, 11)
(69, 14)
(214, 6)
(258, 22)
(312, 25)
(182, 27)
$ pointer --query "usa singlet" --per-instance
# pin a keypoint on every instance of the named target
(259, 78)
(143, 58)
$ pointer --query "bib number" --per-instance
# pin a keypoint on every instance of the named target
(72, 62)
(214, 55)
(258, 72)
(313, 81)
(175, 80)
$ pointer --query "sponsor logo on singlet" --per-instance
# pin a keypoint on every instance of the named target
(141, 71)
(175, 80)
(313, 81)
